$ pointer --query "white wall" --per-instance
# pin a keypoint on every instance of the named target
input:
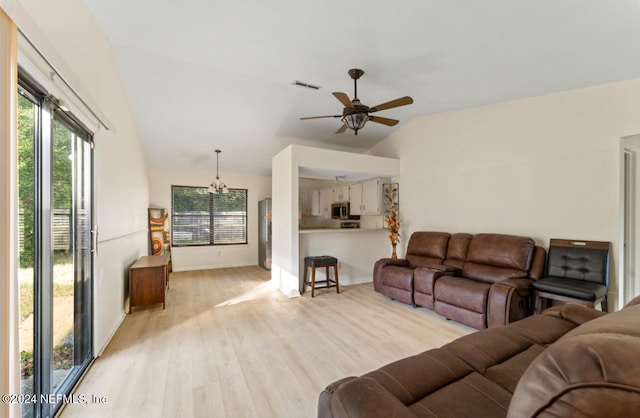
(69, 36)
(544, 167)
(206, 257)
(284, 222)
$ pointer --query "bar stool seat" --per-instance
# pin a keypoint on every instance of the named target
(325, 261)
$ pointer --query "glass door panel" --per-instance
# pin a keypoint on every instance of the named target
(27, 112)
(71, 232)
(55, 220)
(63, 263)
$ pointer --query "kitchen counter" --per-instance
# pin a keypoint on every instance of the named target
(313, 230)
(356, 249)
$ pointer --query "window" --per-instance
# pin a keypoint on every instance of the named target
(201, 218)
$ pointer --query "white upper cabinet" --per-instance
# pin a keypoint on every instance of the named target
(314, 201)
(356, 199)
(366, 197)
(326, 198)
(341, 193)
(310, 202)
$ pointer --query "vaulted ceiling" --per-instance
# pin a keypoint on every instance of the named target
(207, 74)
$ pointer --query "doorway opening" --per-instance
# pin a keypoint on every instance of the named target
(629, 285)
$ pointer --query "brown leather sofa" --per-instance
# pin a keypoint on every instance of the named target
(481, 280)
(569, 361)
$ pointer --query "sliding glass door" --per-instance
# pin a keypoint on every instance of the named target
(55, 218)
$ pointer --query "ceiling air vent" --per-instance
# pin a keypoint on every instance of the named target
(305, 85)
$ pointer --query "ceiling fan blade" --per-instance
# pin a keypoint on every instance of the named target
(402, 101)
(344, 99)
(342, 129)
(384, 121)
(320, 117)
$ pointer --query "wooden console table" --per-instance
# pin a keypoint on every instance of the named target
(148, 280)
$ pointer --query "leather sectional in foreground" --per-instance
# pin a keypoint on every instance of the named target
(569, 361)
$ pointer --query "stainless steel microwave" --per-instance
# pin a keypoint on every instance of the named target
(340, 211)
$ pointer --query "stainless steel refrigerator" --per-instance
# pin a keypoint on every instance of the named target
(264, 233)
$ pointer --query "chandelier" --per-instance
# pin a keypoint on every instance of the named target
(217, 186)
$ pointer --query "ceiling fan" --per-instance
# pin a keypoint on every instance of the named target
(355, 115)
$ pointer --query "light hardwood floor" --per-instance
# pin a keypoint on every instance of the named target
(230, 345)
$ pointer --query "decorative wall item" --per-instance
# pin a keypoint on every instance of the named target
(391, 213)
(159, 231)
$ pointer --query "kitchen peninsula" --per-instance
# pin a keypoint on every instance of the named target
(357, 250)
(344, 219)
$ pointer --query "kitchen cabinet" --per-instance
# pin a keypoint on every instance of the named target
(356, 199)
(326, 198)
(366, 197)
(314, 200)
(310, 202)
(341, 193)
(304, 205)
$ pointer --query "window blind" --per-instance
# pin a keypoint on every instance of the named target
(230, 217)
(201, 218)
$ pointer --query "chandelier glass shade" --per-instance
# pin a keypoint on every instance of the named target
(217, 186)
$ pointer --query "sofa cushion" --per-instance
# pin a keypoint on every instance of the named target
(488, 400)
(462, 292)
(591, 371)
(398, 276)
(577, 289)
(496, 257)
(427, 248)
(457, 249)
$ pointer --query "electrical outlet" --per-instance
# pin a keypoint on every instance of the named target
(219, 253)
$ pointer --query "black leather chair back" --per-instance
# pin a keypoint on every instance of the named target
(579, 260)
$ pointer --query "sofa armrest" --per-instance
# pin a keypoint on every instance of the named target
(381, 264)
(397, 262)
(360, 397)
(537, 263)
(324, 401)
(578, 314)
(509, 301)
(520, 285)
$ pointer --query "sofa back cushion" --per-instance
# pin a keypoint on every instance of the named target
(457, 249)
(496, 257)
(427, 248)
(591, 371)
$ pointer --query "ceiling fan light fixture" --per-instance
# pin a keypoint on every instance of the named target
(355, 115)
(355, 121)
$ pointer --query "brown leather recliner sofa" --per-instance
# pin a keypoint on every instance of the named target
(481, 280)
(569, 361)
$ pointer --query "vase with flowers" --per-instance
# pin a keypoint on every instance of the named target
(391, 216)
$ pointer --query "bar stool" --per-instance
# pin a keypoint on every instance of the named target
(325, 261)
